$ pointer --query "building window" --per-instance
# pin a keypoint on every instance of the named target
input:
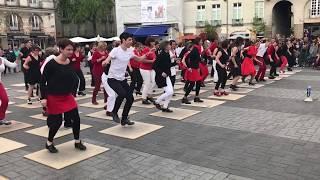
(11, 2)
(35, 22)
(33, 2)
(315, 8)
(259, 9)
(201, 13)
(13, 22)
(216, 12)
(237, 12)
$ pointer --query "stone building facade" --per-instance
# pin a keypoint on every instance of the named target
(27, 19)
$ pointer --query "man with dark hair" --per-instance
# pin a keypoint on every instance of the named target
(119, 58)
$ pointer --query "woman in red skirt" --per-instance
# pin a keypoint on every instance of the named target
(247, 66)
(192, 76)
(57, 84)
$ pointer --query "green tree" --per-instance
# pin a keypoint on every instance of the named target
(259, 26)
(211, 32)
(81, 11)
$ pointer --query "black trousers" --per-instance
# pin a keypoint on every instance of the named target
(189, 86)
(122, 89)
(136, 80)
(82, 85)
(54, 122)
(222, 74)
(173, 80)
(273, 69)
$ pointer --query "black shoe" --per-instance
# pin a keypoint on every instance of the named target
(251, 84)
(29, 101)
(44, 113)
(109, 114)
(233, 87)
(256, 79)
(126, 121)
(5, 122)
(138, 93)
(146, 102)
(197, 99)
(263, 80)
(80, 146)
(81, 93)
(276, 74)
(51, 148)
(167, 110)
(67, 126)
(271, 77)
(185, 101)
(150, 99)
(158, 106)
(243, 79)
(115, 118)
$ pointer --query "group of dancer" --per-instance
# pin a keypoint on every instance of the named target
(150, 65)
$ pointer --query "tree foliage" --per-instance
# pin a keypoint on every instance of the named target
(211, 32)
(81, 11)
(259, 26)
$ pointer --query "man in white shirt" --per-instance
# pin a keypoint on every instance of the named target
(119, 58)
(260, 56)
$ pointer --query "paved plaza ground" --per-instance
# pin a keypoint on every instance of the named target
(264, 133)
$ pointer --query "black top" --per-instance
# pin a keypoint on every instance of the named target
(106, 69)
(57, 79)
(224, 57)
(162, 65)
(33, 73)
(194, 59)
(25, 52)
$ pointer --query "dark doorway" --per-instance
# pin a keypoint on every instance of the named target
(281, 18)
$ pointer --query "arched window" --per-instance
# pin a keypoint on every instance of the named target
(13, 22)
(35, 22)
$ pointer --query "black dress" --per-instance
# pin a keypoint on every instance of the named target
(33, 73)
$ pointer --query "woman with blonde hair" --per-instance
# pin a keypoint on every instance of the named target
(98, 56)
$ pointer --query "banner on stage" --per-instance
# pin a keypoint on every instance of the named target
(153, 11)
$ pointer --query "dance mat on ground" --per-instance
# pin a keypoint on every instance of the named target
(34, 105)
(139, 104)
(44, 130)
(240, 91)
(78, 98)
(90, 105)
(26, 97)
(192, 92)
(135, 131)
(205, 104)
(67, 155)
(177, 114)
(16, 125)
(246, 85)
(174, 98)
(102, 114)
(230, 97)
(9, 145)
(18, 85)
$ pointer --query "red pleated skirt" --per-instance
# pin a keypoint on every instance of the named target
(247, 67)
(193, 75)
(58, 104)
